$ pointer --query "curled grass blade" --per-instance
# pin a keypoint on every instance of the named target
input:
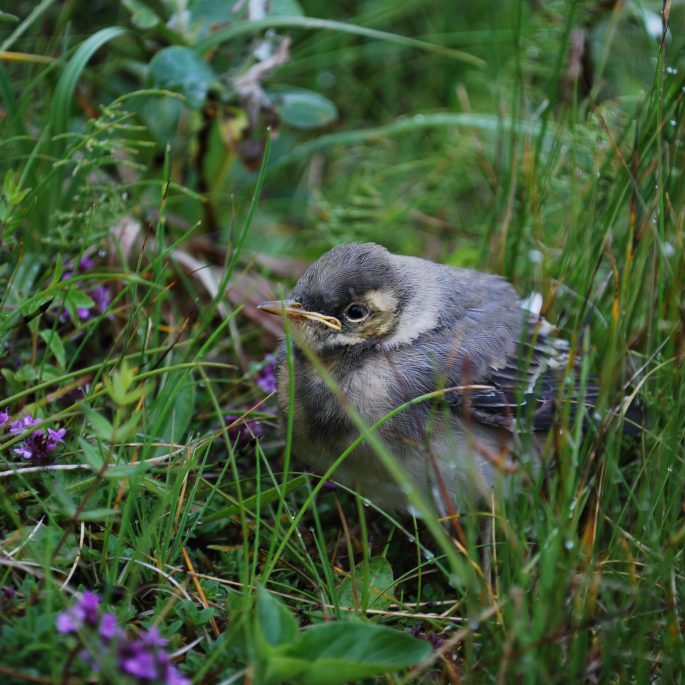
(66, 85)
(312, 23)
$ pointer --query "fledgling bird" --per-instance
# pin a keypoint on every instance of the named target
(389, 328)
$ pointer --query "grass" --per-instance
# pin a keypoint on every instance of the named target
(137, 231)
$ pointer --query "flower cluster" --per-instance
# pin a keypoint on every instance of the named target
(243, 431)
(39, 445)
(100, 295)
(144, 658)
(266, 378)
(435, 639)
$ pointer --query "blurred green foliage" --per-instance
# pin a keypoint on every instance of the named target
(541, 140)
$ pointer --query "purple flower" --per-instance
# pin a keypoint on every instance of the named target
(144, 659)
(66, 623)
(153, 638)
(100, 294)
(435, 640)
(56, 436)
(24, 452)
(135, 660)
(22, 425)
(37, 446)
(172, 676)
(109, 629)
(89, 606)
(86, 612)
(266, 378)
(4, 417)
(243, 431)
(85, 264)
(102, 298)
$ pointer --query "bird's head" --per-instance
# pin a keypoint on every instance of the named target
(353, 295)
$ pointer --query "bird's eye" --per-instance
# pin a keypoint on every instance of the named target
(356, 312)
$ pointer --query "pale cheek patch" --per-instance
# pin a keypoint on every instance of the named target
(381, 301)
(418, 317)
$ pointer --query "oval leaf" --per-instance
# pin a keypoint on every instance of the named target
(182, 69)
(55, 344)
(303, 108)
(345, 652)
(276, 624)
(370, 588)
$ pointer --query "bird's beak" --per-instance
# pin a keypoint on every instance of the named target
(293, 310)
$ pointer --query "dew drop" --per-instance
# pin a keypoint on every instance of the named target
(326, 79)
(535, 256)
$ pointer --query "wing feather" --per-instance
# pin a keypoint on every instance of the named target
(524, 391)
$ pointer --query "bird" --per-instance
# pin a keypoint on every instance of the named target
(373, 331)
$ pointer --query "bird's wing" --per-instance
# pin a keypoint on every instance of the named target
(523, 391)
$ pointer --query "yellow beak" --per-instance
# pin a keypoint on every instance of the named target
(293, 310)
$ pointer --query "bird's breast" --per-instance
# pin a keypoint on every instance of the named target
(321, 421)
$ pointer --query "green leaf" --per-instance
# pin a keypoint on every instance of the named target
(12, 190)
(98, 514)
(208, 14)
(92, 455)
(102, 427)
(81, 299)
(142, 16)
(368, 588)
(118, 386)
(275, 624)
(64, 499)
(55, 344)
(129, 428)
(26, 373)
(303, 109)
(161, 114)
(344, 652)
(75, 300)
(38, 302)
(121, 471)
(284, 8)
(22, 285)
(182, 69)
(282, 669)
